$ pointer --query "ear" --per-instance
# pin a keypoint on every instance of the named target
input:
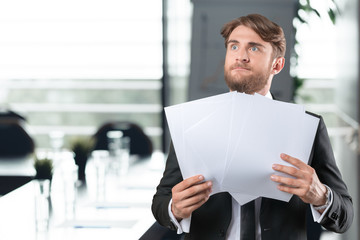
(278, 65)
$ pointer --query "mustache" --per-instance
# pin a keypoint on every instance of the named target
(239, 65)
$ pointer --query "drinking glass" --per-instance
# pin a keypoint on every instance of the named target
(42, 204)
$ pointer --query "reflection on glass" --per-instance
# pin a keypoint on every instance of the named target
(101, 162)
(119, 150)
(42, 204)
(56, 140)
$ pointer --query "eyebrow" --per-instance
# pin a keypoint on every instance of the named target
(256, 44)
(252, 44)
(232, 41)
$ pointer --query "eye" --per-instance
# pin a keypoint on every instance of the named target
(254, 49)
(234, 47)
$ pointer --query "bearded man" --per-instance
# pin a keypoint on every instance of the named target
(255, 49)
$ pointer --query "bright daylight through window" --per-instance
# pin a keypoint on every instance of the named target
(72, 65)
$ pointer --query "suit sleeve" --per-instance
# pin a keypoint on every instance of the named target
(161, 199)
(340, 215)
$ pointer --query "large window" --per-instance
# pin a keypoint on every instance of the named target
(178, 38)
(318, 65)
(72, 65)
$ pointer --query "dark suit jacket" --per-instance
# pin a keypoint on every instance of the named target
(278, 219)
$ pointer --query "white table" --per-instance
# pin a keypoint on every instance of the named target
(15, 172)
(124, 214)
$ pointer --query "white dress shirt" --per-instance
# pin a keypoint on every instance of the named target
(234, 226)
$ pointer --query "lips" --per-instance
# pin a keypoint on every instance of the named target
(239, 67)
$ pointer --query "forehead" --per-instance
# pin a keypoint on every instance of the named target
(245, 34)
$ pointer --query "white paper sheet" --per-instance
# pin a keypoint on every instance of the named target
(234, 139)
(271, 129)
(215, 129)
(183, 116)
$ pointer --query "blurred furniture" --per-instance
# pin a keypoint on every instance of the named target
(15, 172)
(16, 145)
(14, 140)
(123, 214)
(140, 143)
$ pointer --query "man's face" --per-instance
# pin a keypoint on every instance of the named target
(248, 62)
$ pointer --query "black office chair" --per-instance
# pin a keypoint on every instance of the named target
(14, 140)
(140, 143)
(15, 144)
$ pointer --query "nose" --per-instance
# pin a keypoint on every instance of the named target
(243, 56)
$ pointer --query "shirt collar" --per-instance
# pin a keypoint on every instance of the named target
(268, 95)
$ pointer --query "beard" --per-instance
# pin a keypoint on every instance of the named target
(246, 84)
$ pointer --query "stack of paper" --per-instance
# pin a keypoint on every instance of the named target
(233, 139)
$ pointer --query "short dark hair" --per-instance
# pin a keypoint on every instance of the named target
(266, 29)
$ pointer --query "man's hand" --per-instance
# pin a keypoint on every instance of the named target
(306, 184)
(189, 195)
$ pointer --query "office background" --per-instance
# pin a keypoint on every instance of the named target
(70, 66)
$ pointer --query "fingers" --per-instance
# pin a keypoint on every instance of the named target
(181, 212)
(189, 195)
(299, 169)
(190, 187)
(297, 191)
(294, 183)
(295, 186)
(288, 170)
(293, 161)
(188, 183)
(305, 183)
(188, 205)
(288, 184)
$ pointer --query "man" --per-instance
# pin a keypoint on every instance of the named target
(255, 49)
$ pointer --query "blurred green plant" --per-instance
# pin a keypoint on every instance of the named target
(81, 147)
(305, 9)
(332, 10)
(43, 168)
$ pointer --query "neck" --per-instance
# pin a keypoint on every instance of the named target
(266, 88)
